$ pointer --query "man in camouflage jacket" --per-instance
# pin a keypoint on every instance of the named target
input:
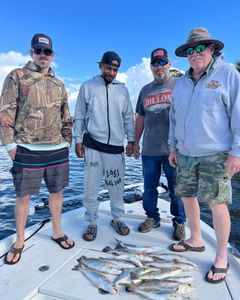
(37, 104)
(36, 130)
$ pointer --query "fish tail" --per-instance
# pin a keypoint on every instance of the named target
(131, 287)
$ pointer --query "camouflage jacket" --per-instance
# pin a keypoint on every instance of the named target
(37, 103)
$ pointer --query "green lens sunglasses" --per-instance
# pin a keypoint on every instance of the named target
(198, 48)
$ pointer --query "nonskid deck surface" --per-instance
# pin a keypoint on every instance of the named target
(58, 281)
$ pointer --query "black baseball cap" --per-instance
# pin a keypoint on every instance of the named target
(159, 53)
(111, 58)
(41, 41)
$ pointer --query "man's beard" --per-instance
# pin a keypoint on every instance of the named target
(108, 79)
(161, 77)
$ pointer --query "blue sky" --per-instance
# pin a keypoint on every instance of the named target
(83, 30)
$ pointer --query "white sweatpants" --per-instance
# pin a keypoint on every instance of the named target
(110, 167)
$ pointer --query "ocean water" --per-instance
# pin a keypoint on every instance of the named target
(133, 174)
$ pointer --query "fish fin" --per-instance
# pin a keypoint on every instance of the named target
(134, 275)
(120, 246)
(102, 292)
(107, 249)
(80, 259)
(125, 244)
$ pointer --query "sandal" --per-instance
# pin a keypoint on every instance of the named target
(63, 239)
(217, 270)
(91, 233)
(14, 251)
(186, 247)
(120, 227)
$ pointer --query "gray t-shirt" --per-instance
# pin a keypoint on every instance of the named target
(154, 104)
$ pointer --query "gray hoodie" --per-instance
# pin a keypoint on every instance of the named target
(104, 111)
(205, 118)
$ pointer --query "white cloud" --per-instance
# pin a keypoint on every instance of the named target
(136, 77)
(10, 61)
(72, 90)
(13, 58)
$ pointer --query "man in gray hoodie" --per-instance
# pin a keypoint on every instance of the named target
(103, 117)
(204, 141)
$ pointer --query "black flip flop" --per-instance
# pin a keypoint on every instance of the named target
(63, 239)
(186, 247)
(217, 270)
(14, 251)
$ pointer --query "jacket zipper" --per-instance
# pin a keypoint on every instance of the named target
(189, 105)
(108, 121)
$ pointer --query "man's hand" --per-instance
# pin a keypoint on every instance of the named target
(79, 150)
(12, 153)
(5, 121)
(172, 158)
(233, 165)
(136, 150)
(129, 149)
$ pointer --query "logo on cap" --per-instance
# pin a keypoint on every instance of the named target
(159, 52)
(43, 40)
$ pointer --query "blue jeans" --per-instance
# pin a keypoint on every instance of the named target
(151, 173)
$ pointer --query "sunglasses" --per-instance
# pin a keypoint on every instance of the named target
(198, 48)
(158, 63)
(110, 68)
(47, 52)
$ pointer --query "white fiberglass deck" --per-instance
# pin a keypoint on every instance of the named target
(25, 281)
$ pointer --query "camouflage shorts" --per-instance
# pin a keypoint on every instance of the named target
(207, 175)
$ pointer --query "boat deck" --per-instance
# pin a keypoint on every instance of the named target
(59, 281)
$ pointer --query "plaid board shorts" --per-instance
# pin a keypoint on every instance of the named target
(30, 167)
(206, 174)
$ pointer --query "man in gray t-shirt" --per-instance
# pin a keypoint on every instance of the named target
(153, 118)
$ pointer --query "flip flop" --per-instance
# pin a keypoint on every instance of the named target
(91, 233)
(186, 247)
(63, 239)
(217, 270)
(14, 251)
(120, 227)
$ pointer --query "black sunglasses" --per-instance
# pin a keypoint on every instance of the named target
(158, 63)
(47, 52)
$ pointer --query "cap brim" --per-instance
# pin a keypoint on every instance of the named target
(41, 46)
(181, 50)
(101, 62)
(158, 58)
